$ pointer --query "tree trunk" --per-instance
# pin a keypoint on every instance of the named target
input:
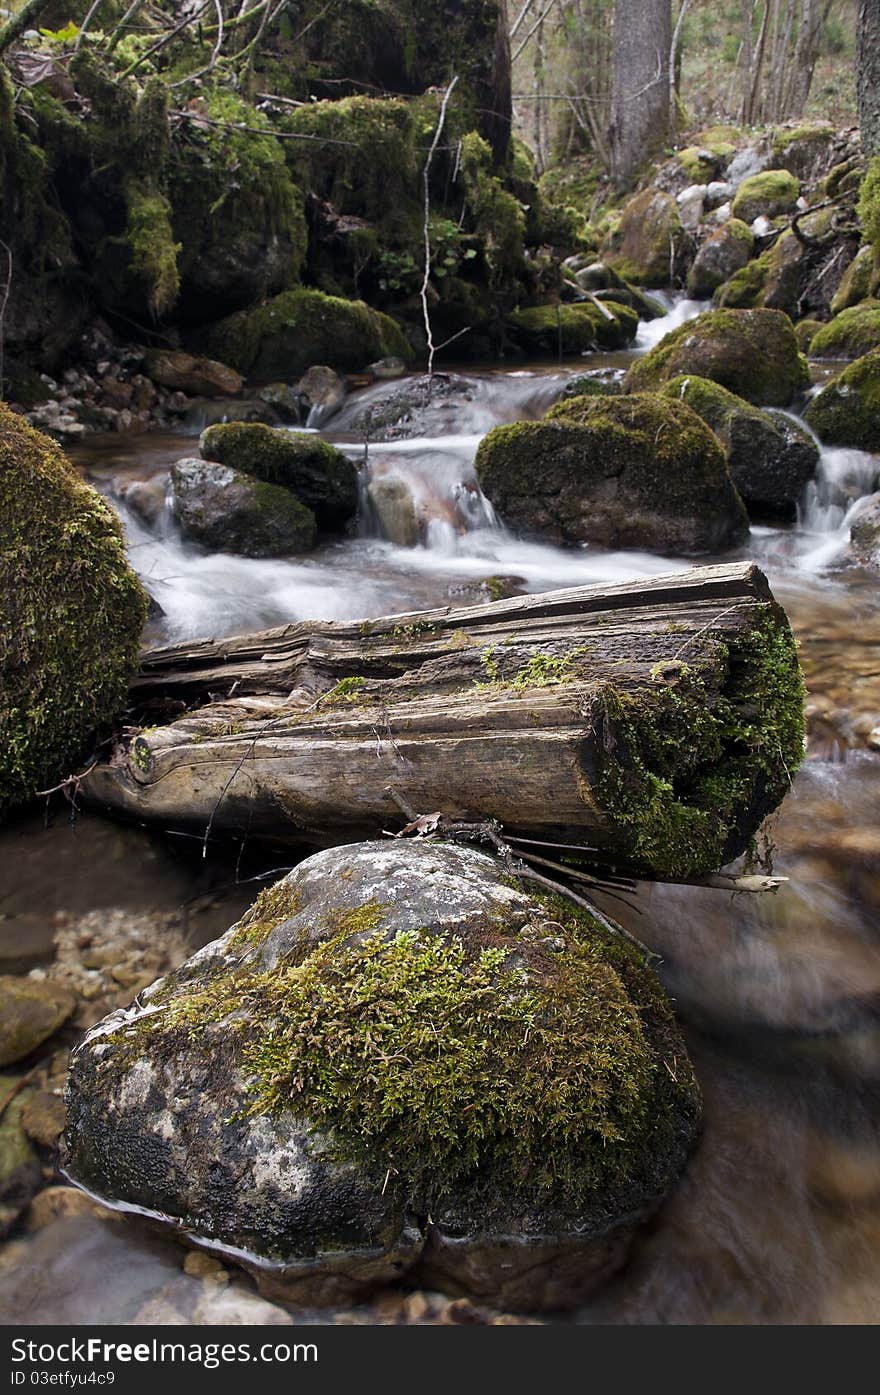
(657, 722)
(640, 85)
(868, 74)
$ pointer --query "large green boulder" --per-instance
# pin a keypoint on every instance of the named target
(767, 195)
(227, 511)
(752, 353)
(850, 334)
(847, 410)
(71, 613)
(727, 251)
(293, 331)
(769, 456)
(572, 329)
(401, 1062)
(631, 471)
(648, 243)
(322, 477)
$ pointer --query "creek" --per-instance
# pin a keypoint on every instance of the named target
(777, 1218)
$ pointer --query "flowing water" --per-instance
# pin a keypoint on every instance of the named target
(778, 1216)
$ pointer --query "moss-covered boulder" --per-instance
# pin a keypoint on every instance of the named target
(804, 332)
(293, 331)
(850, 334)
(322, 477)
(847, 410)
(30, 1013)
(727, 251)
(552, 330)
(228, 511)
(631, 471)
(398, 1063)
(775, 280)
(804, 150)
(767, 195)
(769, 456)
(648, 244)
(753, 353)
(71, 613)
(855, 283)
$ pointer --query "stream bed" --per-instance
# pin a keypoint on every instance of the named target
(777, 1218)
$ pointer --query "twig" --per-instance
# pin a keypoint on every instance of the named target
(212, 61)
(84, 27)
(427, 183)
(65, 785)
(7, 289)
(165, 40)
(130, 14)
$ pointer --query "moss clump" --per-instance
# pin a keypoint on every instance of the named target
(850, 334)
(677, 786)
(498, 217)
(477, 1060)
(847, 410)
(556, 330)
(752, 353)
(293, 331)
(767, 194)
(322, 477)
(72, 613)
(804, 331)
(153, 249)
(869, 212)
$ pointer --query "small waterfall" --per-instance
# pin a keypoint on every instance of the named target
(831, 500)
(679, 309)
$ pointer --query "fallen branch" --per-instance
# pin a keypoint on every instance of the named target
(441, 120)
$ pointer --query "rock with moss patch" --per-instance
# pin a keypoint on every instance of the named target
(30, 1012)
(199, 377)
(629, 471)
(71, 613)
(228, 511)
(752, 353)
(855, 283)
(850, 334)
(398, 1063)
(292, 331)
(20, 1171)
(766, 195)
(847, 410)
(649, 245)
(774, 280)
(721, 255)
(770, 457)
(573, 329)
(804, 150)
(321, 477)
(804, 331)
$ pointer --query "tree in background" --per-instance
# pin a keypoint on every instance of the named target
(868, 74)
(640, 112)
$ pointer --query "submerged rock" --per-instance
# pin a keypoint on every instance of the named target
(228, 511)
(30, 1012)
(393, 504)
(847, 410)
(71, 613)
(398, 1063)
(628, 471)
(321, 392)
(321, 477)
(770, 457)
(753, 353)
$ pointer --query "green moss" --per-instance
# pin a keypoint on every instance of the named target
(346, 690)
(770, 193)
(573, 329)
(855, 284)
(72, 613)
(847, 410)
(869, 207)
(804, 331)
(850, 334)
(498, 217)
(153, 249)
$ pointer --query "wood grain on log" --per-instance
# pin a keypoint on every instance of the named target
(657, 721)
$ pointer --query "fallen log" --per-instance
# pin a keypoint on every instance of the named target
(654, 722)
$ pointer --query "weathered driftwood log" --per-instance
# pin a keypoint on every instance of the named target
(656, 722)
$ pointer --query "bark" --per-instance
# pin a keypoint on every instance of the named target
(868, 74)
(522, 710)
(640, 85)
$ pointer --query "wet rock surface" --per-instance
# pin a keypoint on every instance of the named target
(229, 511)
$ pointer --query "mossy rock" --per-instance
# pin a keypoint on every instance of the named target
(587, 385)
(227, 511)
(647, 245)
(769, 456)
(30, 1013)
(869, 215)
(321, 477)
(803, 150)
(864, 534)
(847, 410)
(753, 353)
(850, 334)
(293, 331)
(727, 251)
(773, 281)
(766, 195)
(404, 1063)
(855, 284)
(71, 609)
(804, 331)
(551, 330)
(629, 471)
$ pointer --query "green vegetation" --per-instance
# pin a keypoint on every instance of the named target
(850, 334)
